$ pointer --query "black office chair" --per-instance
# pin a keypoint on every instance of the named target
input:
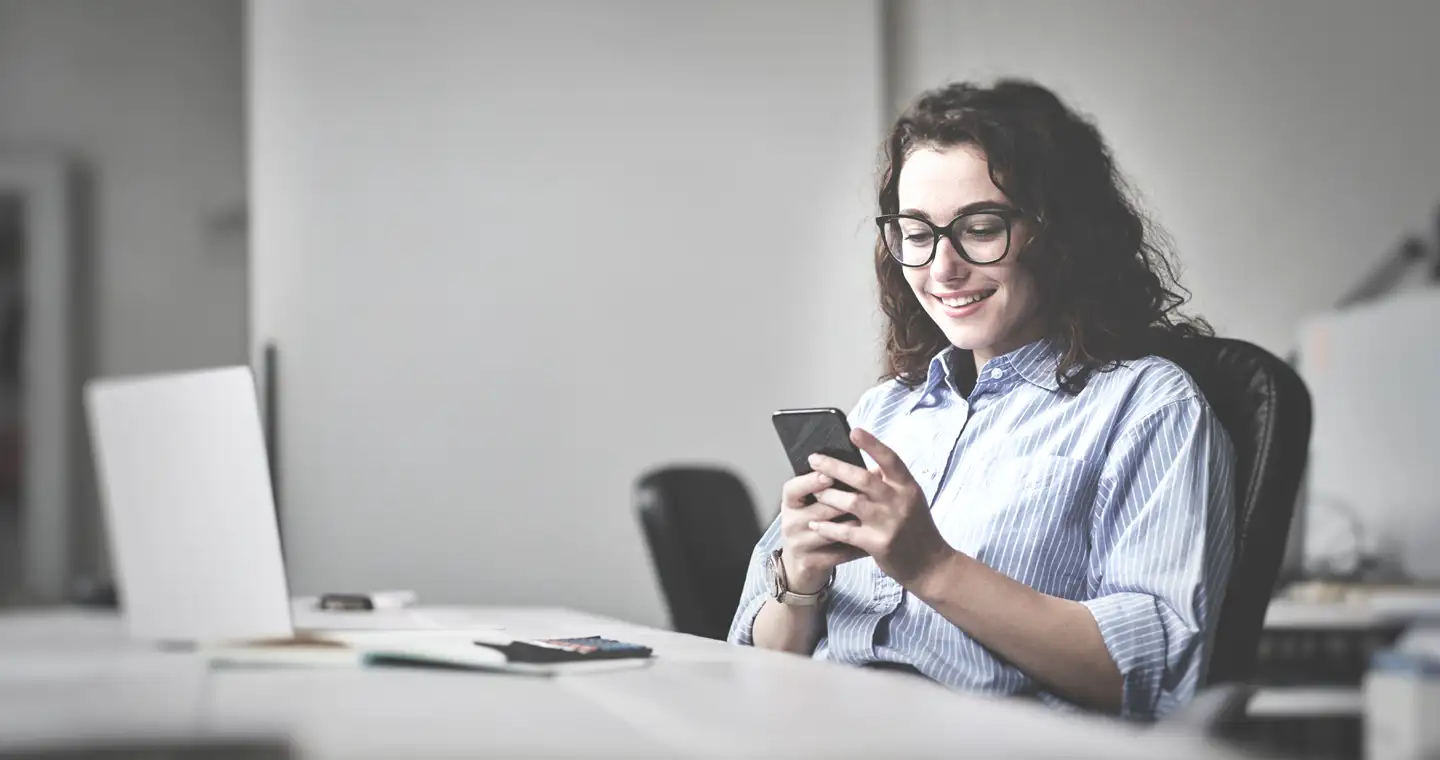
(1265, 407)
(701, 526)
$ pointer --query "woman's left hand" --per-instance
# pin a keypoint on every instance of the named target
(894, 524)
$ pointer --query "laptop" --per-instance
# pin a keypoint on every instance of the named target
(186, 497)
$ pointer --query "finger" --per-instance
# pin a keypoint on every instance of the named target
(813, 544)
(844, 501)
(796, 490)
(799, 519)
(818, 511)
(858, 478)
(851, 534)
(888, 461)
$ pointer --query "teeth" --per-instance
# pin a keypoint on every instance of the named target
(956, 303)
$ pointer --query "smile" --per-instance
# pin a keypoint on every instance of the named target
(956, 303)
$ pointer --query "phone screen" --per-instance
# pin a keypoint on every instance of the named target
(816, 431)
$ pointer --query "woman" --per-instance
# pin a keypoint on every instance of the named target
(1048, 507)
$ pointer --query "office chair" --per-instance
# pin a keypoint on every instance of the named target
(1265, 408)
(701, 527)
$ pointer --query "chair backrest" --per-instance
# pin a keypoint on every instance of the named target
(1265, 407)
(701, 527)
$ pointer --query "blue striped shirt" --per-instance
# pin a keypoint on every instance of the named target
(1119, 497)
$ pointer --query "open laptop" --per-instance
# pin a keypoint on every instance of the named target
(190, 516)
(187, 501)
(186, 497)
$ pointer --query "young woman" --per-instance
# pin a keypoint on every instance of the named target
(1048, 507)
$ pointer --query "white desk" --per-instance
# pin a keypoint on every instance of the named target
(70, 673)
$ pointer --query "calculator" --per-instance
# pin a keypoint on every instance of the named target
(585, 649)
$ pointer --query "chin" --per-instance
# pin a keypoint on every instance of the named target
(965, 336)
(969, 340)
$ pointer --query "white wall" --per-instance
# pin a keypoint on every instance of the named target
(514, 254)
(1286, 145)
(146, 96)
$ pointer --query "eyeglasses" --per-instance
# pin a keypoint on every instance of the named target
(980, 237)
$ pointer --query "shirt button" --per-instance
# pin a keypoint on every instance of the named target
(996, 374)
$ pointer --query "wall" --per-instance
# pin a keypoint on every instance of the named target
(1286, 146)
(146, 96)
(512, 255)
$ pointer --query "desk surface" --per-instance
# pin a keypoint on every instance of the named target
(71, 674)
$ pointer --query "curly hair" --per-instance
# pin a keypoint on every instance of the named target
(1102, 271)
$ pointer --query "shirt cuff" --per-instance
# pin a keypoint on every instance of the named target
(742, 630)
(1134, 634)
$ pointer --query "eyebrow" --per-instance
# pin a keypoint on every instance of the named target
(969, 208)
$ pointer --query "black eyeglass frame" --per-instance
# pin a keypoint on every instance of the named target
(1008, 215)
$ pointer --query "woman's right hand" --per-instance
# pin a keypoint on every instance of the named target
(808, 558)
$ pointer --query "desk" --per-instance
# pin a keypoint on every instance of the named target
(1311, 660)
(71, 673)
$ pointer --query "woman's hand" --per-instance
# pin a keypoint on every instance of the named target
(894, 523)
(808, 557)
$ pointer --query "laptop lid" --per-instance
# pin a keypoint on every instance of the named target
(186, 497)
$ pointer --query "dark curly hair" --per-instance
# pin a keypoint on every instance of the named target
(1102, 272)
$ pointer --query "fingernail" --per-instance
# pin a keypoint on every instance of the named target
(812, 524)
(814, 459)
(824, 480)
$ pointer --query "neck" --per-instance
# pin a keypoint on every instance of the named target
(983, 355)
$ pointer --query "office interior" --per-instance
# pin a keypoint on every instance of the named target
(496, 264)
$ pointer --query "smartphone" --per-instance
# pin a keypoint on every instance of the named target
(817, 431)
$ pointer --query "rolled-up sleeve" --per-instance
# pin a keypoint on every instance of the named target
(1163, 543)
(756, 589)
(752, 598)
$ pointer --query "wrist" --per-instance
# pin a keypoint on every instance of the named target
(802, 577)
(941, 574)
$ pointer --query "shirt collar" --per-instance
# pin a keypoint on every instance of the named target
(1035, 362)
(937, 375)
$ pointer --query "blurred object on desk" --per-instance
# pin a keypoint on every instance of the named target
(1321, 644)
(1402, 698)
(306, 615)
(1325, 634)
(372, 600)
(1314, 655)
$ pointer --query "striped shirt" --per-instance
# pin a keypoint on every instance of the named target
(1119, 497)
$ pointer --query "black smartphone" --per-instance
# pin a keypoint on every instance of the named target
(817, 431)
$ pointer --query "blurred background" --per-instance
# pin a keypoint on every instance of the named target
(492, 261)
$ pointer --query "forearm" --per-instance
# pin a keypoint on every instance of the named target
(1055, 641)
(789, 628)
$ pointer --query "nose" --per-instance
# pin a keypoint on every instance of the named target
(947, 264)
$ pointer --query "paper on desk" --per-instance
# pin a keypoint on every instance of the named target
(334, 648)
(349, 649)
(298, 656)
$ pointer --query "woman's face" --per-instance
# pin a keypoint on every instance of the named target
(941, 184)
